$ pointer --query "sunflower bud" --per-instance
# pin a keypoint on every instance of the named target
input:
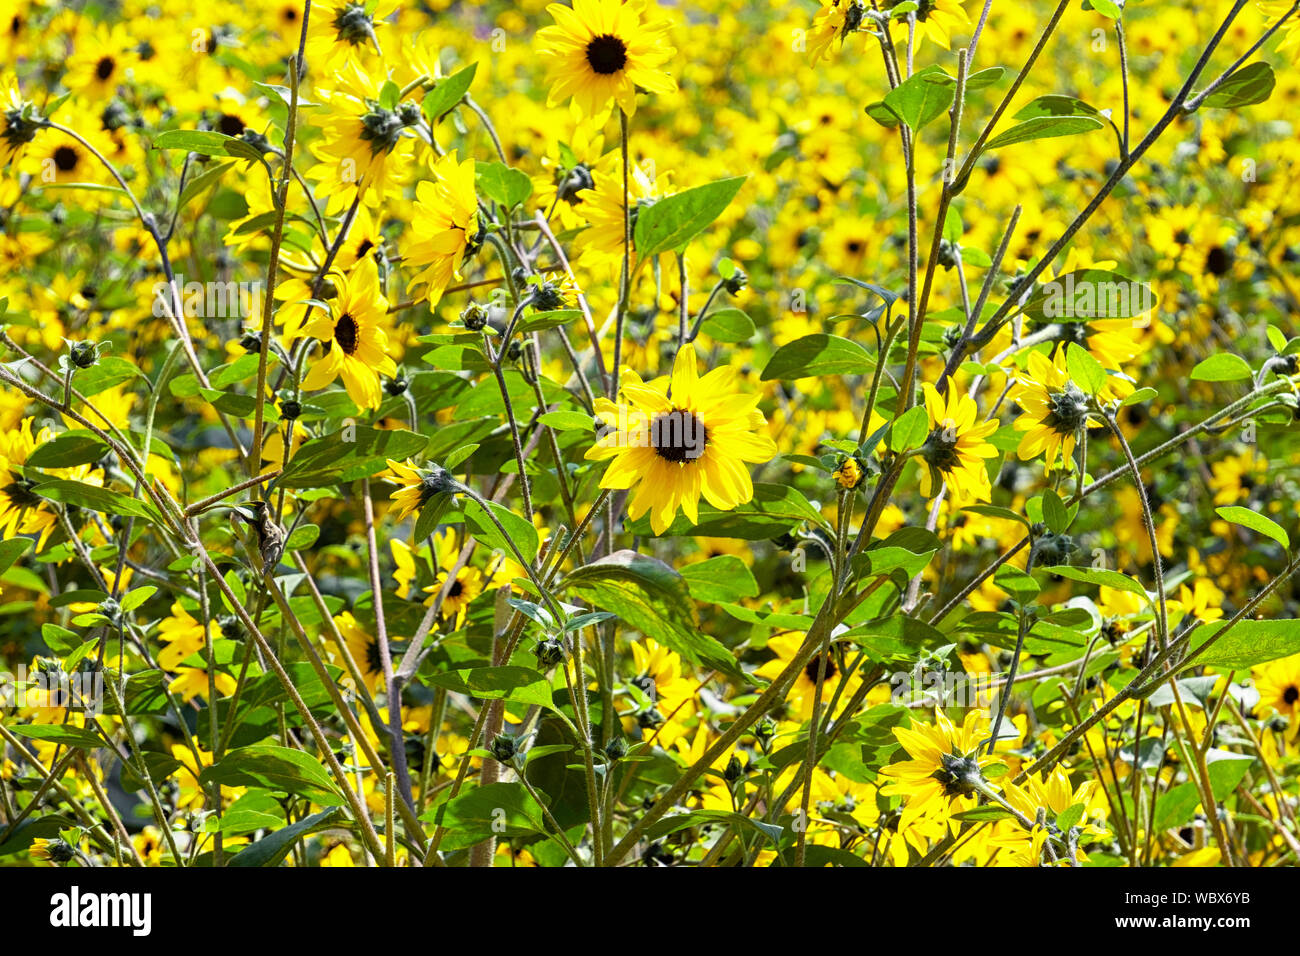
(504, 747)
(849, 474)
(735, 282)
(474, 316)
(549, 653)
(83, 354)
(616, 749)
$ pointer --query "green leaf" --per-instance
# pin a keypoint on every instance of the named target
(1107, 8)
(540, 321)
(1222, 367)
(104, 374)
(11, 550)
(273, 848)
(447, 93)
(63, 734)
(910, 430)
(922, 98)
(1250, 85)
(651, 597)
(522, 685)
(68, 450)
(1017, 583)
(1248, 643)
(94, 498)
(1141, 395)
(1255, 522)
(1086, 294)
(770, 832)
(277, 768)
(728, 325)
(720, 580)
(521, 530)
(504, 809)
(356, 451)
(773, 511)
(206, 142)
(1055, 513)
(1100, 577)
(1044, 127)
(503, 184)
(672, 222)
(1085, 370)
(304, 536)
(818, 354)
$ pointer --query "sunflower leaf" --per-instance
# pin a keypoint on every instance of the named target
(670, 223)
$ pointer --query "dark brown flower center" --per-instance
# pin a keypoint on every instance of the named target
(230, 124)
(105, 67)
(678, 436)
(66, 159)
(347, 333)
(606, 54)
(1291, 694)
(815, 666)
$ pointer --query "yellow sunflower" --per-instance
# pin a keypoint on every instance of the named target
(338, 29)
(353, 337)
(1056, 410)
(17, 121)
(444, 226)
(1278, 683)
(416, 488)
(365, 148)
(364, 648)
(955, 448)
(936, 20)
(602, 50)
(946, 763)
(674, 440)
(803, 693)
(22, 511)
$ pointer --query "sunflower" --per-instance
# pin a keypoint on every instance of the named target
(836, 18)
(101, 63)
(467, 585)
(416, 488)
(339, 29)
(355, 343)
(937, 19)
(1275, 9)
(444, 226)
(1056, 410)
(52, 850)
(366, 148)
(17, 122)
(364, 648)
(944, 769)
(602, 206)
(55, 158)
(602, 50)
(183, 636)
(1278, 683)
(803, 693)
(955, 447)
(22, 511)
(674, 440)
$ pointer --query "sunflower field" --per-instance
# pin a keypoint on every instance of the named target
(461, 433)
